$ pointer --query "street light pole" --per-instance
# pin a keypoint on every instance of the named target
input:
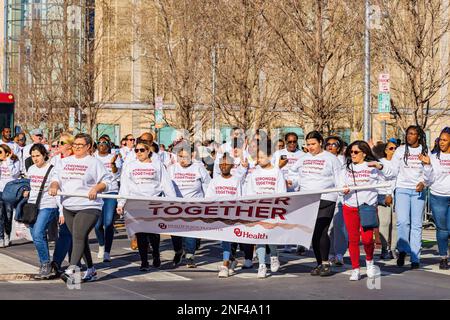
(5, 39)
(213, 102)
(366, 116)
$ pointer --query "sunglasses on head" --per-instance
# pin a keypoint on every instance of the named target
(137, 150)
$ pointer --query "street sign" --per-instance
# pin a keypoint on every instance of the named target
(71, 119)
(384, 116)
(383, 83)
(384, 103)
(159, 115)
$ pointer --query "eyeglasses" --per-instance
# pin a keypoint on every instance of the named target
(79, 145)
(355, 152)
(392, 148)
(137, 150)
(132, 139)
(334, 145)
(291, 141)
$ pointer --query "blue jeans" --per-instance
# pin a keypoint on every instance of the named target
(6, 214)
(261, 252)
(39, 232)
(63, 245)
(440, 207)
(226, 246)
(338, 234)
(190, 244)
(104, 229)
(409, 205)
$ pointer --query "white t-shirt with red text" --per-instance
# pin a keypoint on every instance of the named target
(318, 172)
(36, 176)
(145, 179)
(363, 175)
(408, 174)
(265, 181)
(292, 158)
(438, 174)
(9, 171)
(221, 187)
(80, 175)
(192, 181)
(106, 160)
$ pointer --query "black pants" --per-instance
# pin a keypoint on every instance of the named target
(80, 224)
(321, 240)
(143, 240)
(246, 247)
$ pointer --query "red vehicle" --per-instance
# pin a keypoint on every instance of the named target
(6, 110)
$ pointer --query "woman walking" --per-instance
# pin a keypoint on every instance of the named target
(80, 173)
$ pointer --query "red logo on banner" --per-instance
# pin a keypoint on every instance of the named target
(247, 234)
(162, 226)
(237, 232)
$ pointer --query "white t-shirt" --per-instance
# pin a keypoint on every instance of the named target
(389, 190)
(79, 176)
(192, 181)
(221, 187)
(322, 171)
(124, 151)
(145, 179)
(292, 158)
(106, 160)
(438, 174)
(363, 175)
(14, 147)
(265, 181)
(9, 171)
(36, 176)
(410, 174)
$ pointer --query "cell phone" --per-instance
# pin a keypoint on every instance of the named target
(283, 157)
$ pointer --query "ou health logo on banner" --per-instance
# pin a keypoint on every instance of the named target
(245, 234)
(162, 225)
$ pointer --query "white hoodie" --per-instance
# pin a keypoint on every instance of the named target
(265, 181)
(80, 176)
(363, 175)
(145, 179)
(410, 174)
(322, 171)
(192, 181)
(438, 174)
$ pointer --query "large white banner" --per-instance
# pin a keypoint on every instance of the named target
(283, 219)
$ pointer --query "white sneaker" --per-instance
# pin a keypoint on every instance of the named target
(7, 242)
(262, 271)
(90, 275)
(106, 257)
(248, 264)
(372, 271)
(356, 275)
(223, 272)
(274, 264)
(101, 252)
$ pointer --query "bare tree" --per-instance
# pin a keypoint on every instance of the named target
(319, 45)
(414, 34)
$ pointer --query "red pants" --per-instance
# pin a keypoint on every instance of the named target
(352, 223)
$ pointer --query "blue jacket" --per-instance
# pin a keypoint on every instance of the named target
(13, 194)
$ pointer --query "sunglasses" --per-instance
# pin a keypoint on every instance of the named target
(103, 143)
(39, 135)
(291, 141)
(355, 152)
(137, 150)
(392, 148)
(133, 139)
(54, 145)
(334, 144)
(61, 143)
